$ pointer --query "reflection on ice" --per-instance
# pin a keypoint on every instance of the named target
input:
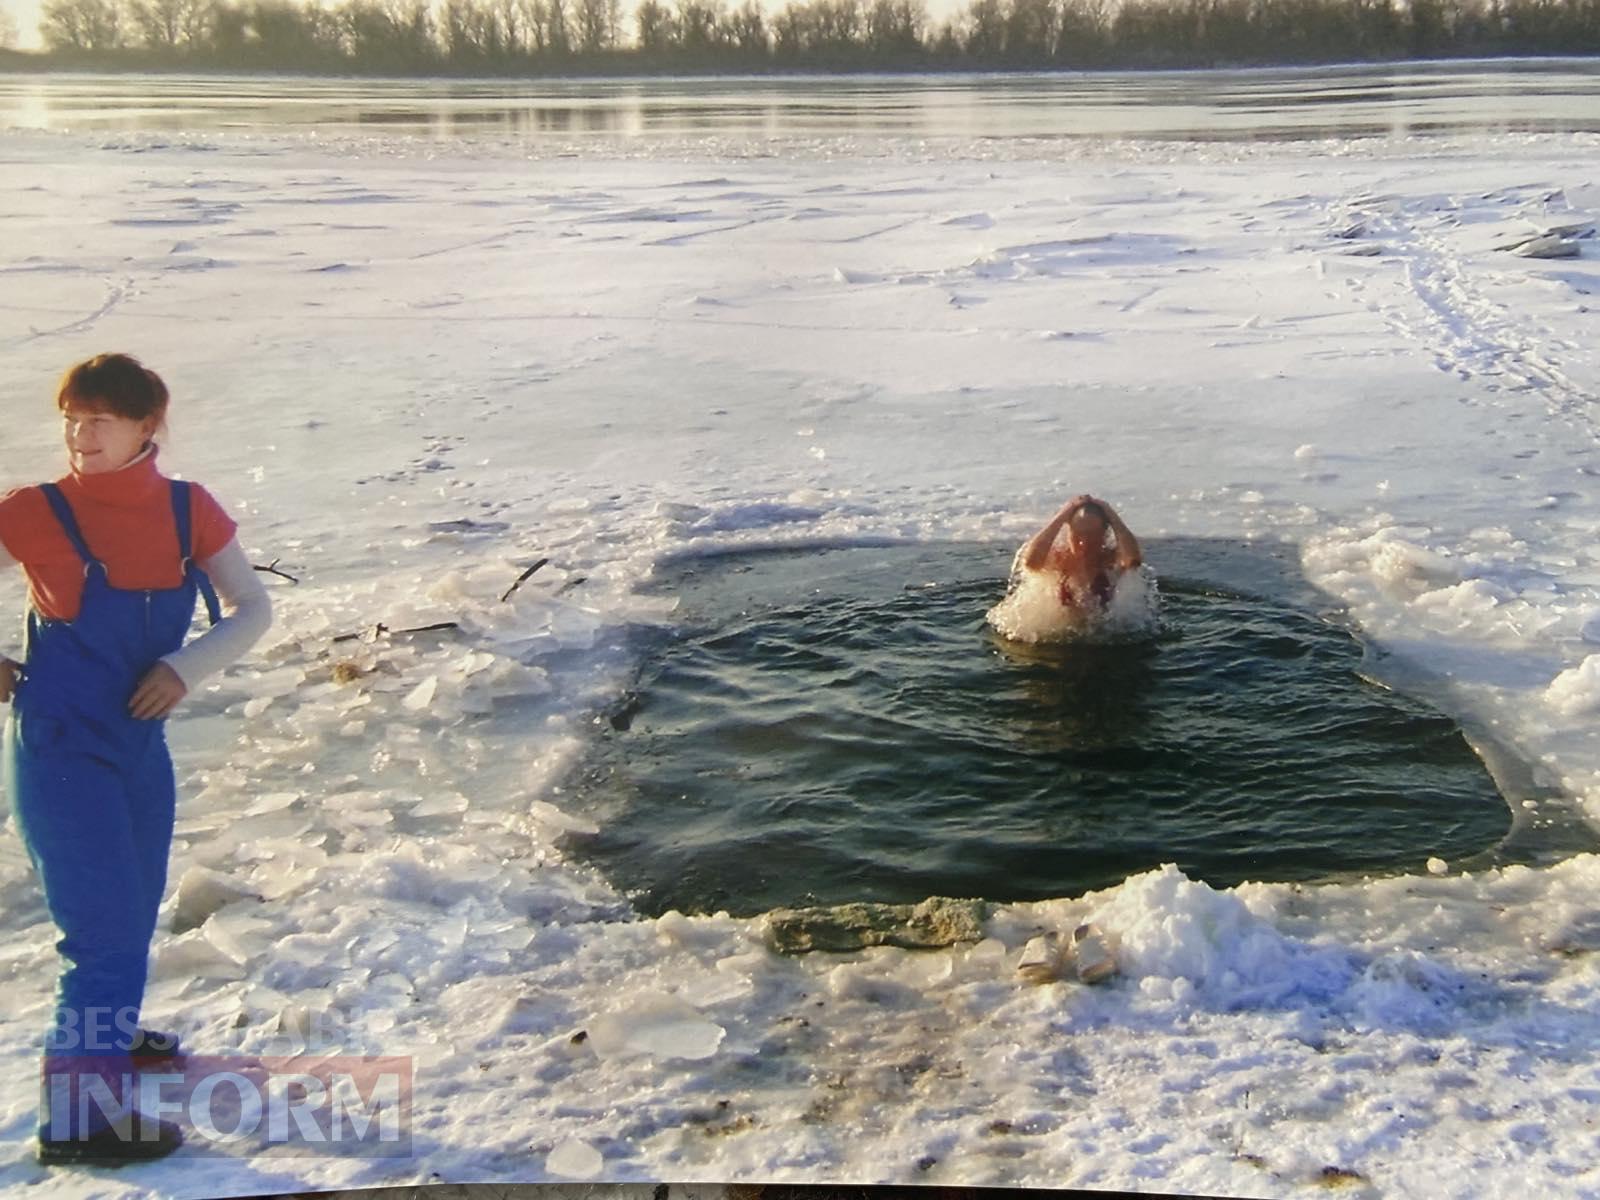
(1342, 101)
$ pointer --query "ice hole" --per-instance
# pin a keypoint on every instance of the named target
(842, 724)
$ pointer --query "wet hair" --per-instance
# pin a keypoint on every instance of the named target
(1094, 509)
(115, 383)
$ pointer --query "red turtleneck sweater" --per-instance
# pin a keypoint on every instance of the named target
(126, 517)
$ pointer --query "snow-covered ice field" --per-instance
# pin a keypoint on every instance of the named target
(412, 369)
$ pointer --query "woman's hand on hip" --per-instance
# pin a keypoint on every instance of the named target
(158, 693)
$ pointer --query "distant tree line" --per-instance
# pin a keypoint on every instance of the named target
(531, 37)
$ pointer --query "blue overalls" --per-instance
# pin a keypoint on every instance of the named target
(92, 787)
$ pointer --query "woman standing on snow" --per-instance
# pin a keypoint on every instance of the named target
(115, 554)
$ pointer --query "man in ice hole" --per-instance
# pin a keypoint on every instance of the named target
(1096, 551)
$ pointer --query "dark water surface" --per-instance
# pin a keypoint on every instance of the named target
(1387, 100)
(841, 724)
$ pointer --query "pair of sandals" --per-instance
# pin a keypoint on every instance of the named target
(1085, 956)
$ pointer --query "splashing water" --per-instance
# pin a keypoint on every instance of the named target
(1032, 611)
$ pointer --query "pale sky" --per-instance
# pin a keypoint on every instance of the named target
(25, 14)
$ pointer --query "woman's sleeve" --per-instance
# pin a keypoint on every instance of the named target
(5, 561)
(19, 516)
(249, 614)
(213, 527)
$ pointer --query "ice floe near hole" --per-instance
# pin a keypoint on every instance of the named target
(549, 815)
(1400, 562)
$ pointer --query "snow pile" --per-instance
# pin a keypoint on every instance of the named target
(1188, 946)
(1407, 990)
(1187, 943)
(1391, 558)
(1576, 691)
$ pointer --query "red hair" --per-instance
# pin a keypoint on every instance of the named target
(116, 383)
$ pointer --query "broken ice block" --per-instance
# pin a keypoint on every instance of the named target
(574, 628)
(194, 956)
(240, 936)
(421, 696)
(551, 816)
(574, 1159)
(1549, 245)
(271, 802)
(657, 1025)
(202, 892)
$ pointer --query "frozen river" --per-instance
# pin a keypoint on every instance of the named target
(415, 355)
(1392, 100)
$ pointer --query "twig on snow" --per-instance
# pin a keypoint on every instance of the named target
(272, 569)
(380, 629)
(521, 578)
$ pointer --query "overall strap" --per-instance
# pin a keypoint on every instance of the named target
(180, 515)
(69, 523)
